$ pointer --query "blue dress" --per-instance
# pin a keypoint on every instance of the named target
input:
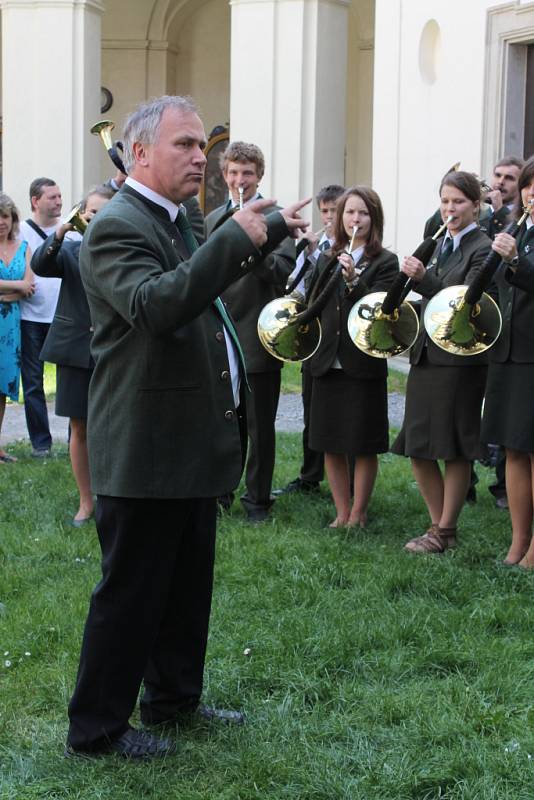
(10, 327)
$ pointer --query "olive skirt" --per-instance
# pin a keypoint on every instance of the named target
(509, 407)
(348, 416)
(442, 413)
(72, 391)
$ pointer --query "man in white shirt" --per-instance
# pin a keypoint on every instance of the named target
(37, 312)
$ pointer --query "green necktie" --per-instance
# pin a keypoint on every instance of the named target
(184, 226)
(445, 252)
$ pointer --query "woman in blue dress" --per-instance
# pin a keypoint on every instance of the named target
(16, 281)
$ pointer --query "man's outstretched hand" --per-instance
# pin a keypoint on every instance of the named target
(252, 219)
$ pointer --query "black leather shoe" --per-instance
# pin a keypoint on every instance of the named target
(200, 714)
(132, 744)
(225, 715)
(257, 515)
(298, 485)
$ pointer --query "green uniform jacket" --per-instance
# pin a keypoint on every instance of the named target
(162, 421)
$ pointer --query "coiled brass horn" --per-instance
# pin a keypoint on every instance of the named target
(288, 328)
(383, 324)
(464, 320)
(75, 219)
(103, 130)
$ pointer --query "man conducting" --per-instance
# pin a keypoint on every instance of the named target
(164, 433)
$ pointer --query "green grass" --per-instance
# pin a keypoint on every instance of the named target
(373, 674)
(49, 382)
(291, 380)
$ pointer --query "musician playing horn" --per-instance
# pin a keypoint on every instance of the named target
(349, 393)
(444, 391)
(508, 416)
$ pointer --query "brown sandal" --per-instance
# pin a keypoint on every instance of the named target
(435, 540)
(433, 528)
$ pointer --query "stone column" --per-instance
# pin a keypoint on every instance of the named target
(288, 90)
(50, 95)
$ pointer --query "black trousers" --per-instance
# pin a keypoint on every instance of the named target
(262, 404)
(312, 469)
(32, 337)
(148, 616)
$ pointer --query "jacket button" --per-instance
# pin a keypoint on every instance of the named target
(219, 336)
(337, 333)
(251, 259)
(225, 375)
(91, 329)
(244, 265)
(229, 415)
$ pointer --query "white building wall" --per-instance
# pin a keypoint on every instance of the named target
(428, 105)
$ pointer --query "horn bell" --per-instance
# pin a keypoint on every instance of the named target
(282, 335)
(103, 129)
(75, 219)
(380, 335)
(459, 328)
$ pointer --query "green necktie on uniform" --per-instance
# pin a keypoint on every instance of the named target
(445, 252)
(184, 226)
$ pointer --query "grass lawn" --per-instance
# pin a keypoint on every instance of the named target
(373, 674)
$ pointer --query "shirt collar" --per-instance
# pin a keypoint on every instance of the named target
(529, 223)
(171, 208)
(357, 253)
(457, 238)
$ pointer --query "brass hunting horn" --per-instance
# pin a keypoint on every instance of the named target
(103, 130)
(384, 324)
(288, 328)
(75, 219)
(464, 320)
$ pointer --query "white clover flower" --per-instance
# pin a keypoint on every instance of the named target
(247, 651)
(7, 663)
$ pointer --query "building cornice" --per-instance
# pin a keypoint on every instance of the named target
(138, 44)
(343, 3)
(31, 5)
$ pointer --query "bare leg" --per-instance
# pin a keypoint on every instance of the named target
(456, 483)
(337, 471)
(429, 479)
(2, 412)
(365, 471)
(528, 559)
(80, 466)
(519, 491)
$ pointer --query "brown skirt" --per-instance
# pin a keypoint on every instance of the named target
(442, 413)
(348, 416)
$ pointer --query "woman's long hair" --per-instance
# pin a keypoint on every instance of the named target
(373, 246)
(525, 177)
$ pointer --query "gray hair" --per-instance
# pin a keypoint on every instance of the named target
(143, 124)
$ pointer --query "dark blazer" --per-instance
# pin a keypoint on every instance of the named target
(162, 421)
(246, 298)
(460, 268)
(516, 301)
(69, 337)
(490, 222)
(377, 276)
